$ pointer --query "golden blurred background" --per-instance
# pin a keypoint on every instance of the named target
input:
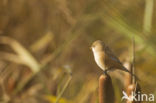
(44, 47)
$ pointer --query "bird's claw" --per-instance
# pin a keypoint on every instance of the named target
(105, 72)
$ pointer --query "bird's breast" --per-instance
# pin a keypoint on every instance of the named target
(99, 60)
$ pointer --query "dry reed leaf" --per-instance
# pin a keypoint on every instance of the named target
(42, 42)
(23, 55)
(148, 14)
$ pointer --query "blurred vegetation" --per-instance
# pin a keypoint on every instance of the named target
(44, 47)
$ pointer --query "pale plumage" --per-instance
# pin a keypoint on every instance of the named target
(98, 59)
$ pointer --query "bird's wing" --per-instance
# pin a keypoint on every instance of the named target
(111, 55)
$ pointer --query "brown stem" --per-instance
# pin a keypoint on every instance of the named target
(106, 91)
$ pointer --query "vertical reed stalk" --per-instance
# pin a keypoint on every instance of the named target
(133, 60)
(135, 88)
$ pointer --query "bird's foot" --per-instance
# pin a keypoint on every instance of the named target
(105, 72)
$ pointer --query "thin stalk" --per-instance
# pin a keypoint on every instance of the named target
(133, 60)
(64, 88)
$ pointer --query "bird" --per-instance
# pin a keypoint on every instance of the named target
(106, 59)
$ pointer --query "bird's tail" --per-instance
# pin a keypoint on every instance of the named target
(124, 69)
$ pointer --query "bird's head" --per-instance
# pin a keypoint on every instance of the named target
(97, 45)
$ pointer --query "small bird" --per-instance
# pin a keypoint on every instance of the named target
(105, 58)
